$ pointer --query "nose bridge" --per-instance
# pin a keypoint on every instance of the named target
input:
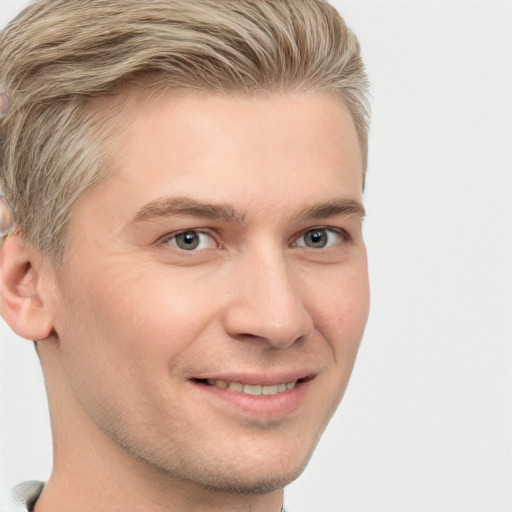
(268, 303)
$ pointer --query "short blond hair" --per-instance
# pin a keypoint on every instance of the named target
(57, 55)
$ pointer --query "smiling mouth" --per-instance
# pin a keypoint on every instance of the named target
(252, 389)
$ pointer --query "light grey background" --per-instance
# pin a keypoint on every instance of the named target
(426, 422)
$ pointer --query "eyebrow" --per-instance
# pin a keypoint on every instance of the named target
(180, 205)
(175, 206)
(332, 208)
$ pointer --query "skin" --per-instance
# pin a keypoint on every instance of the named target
(130, 321)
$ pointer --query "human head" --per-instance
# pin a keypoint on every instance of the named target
(58, 56)
(139, 337)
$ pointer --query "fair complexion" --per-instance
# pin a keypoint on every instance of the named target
(203, 326)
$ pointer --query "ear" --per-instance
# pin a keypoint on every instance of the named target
(23, 302)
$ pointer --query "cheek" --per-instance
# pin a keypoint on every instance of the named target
(137, 305)
(135, 336)
(117, 318)
(124, 339)
(341, 310)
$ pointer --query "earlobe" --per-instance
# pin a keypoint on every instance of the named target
(23, 302)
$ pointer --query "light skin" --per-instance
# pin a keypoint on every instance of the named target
(226, 248)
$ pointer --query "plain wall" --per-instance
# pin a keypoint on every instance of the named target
(426, 421)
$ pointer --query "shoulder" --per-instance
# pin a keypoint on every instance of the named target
(22, 497)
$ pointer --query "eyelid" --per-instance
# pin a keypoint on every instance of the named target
(164, 240)
(345, 235)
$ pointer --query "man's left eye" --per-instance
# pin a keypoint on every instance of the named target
(192, 240)
(319, 238)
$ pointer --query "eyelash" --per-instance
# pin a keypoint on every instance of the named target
(338, 232)
(167, 239)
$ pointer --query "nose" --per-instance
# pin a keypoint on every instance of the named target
(267, 304)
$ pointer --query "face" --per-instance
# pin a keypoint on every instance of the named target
(215, 291)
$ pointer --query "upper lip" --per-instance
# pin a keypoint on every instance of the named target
(261, 378)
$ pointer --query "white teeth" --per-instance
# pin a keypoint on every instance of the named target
(253, 389)
(236, 386)
(269, 390)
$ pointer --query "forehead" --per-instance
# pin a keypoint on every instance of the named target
(204, 123)
(134, 108)
(271, 151)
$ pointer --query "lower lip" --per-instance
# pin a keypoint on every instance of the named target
(261, 406)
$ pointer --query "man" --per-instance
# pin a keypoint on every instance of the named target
(189, 260)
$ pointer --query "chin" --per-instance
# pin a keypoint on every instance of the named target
(272, 480)
(260, 473)
(246, 472)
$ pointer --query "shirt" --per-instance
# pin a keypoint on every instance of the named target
(22, 497)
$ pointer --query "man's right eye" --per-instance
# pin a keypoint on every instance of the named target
(191, 240)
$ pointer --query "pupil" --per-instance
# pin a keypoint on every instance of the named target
(187, 240)
(316, 239)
